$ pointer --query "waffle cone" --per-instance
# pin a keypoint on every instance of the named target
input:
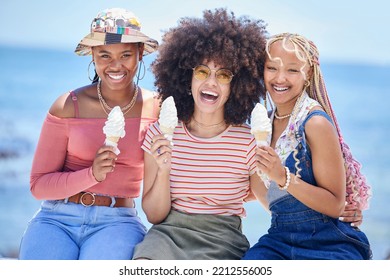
(260, 135)
(114, 139)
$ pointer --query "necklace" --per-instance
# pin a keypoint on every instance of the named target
(107, 108)
(282, 117)
(207, 125)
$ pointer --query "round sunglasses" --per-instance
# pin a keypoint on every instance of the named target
(202, 72)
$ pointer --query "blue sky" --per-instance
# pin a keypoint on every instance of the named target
(351, 31)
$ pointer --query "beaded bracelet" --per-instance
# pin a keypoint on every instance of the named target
(287, 179)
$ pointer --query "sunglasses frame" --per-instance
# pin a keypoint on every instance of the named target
(230, 73)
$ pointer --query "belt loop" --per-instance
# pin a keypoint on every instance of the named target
(113, 201)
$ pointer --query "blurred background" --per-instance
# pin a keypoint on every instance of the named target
(37, 40)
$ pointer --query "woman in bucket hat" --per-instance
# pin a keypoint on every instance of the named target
(88, 190)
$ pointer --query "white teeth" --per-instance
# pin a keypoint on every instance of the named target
(280, 88)
(210, 93)
(116, 77)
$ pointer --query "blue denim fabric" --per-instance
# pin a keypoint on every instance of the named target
(299, 233)
(69, 231)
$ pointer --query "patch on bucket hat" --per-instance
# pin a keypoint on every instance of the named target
(114, 26)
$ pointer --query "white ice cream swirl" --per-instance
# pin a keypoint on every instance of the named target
(168, 114)
(115, 124)
(260, 120)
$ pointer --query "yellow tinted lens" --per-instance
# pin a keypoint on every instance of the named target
(224, 76)
(201, 72)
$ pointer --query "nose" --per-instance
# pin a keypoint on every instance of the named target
(212, 79)
(115, 64)
(280, 76)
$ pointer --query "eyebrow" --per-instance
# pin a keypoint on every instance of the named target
(108, 52)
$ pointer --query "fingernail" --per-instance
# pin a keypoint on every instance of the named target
(353, 224)
(341, 218)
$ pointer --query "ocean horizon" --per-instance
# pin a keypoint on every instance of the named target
(31, 79)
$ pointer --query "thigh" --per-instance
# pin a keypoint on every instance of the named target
(267, 249)
(43, 240)
(114, 241)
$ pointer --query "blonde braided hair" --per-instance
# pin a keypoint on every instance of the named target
(358, 191)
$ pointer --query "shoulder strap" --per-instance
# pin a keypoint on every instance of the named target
(75, 104)
(316, 113)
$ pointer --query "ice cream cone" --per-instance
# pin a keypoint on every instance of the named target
(167, 131)
(261, 137)
(168, 118)
(261, 128)
(113, 139)
(114, 128)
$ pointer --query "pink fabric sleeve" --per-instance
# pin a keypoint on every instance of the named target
(48, 180)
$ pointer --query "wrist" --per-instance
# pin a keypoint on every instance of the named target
(288, 179)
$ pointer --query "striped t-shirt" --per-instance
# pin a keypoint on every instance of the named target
(209, 175)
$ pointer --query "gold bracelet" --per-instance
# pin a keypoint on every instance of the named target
(288, 178)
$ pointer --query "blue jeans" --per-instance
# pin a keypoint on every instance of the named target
(69, 231)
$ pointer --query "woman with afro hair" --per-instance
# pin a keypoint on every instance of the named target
(195, 185)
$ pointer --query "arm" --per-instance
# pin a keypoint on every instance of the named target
(328, 197)
(48, 179)
(259, 191)
(156, 197)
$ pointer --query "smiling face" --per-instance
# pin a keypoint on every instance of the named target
(116, 64)
(209, 94)
(284, 73)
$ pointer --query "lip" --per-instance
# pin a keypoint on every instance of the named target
(116, 77)
(209, 96)
(280, 89)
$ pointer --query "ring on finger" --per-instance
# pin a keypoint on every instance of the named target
(158, 151)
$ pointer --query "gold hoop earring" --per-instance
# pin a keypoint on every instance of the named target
(89, 71)
(307, 83)
(141, 65)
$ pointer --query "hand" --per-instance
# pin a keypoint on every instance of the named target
(161, 151)
(270, 164)
(352, 215)
(103, 163)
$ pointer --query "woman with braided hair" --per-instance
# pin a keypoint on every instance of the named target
(311, 168)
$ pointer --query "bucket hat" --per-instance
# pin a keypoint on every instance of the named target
(114, 26)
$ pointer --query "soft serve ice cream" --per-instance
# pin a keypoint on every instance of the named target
(261, 126)
(168, 118)
(114, 128)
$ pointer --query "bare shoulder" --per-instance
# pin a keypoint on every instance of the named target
(151, 103)
(63, 106)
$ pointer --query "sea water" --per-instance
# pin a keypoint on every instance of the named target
(31, 80)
